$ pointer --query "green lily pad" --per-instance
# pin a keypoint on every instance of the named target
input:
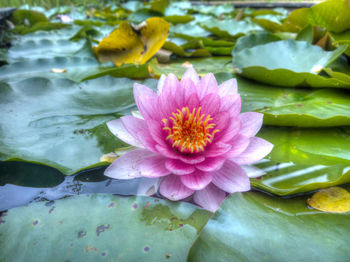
(229, 28)
(178, 50)
(61, 123)
(288, 63)
(331, 14)
(288, 178)
(257, 227)
(254, 39)
(99, 228)
(202, 66)
(188, 31)
(176, 19)
(27, 17)
(73, 67)
(293, 107)
(40, 26)
(309, 146)
(342, 39)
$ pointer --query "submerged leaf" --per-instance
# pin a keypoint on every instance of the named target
(333, 199)
(133, 45)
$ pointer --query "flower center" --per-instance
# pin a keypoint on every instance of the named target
(189, 132)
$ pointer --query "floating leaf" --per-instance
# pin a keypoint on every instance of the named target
(69, 132)
(287, 178)
(124, 45)
(105, 233)
(288, 63)
(176, 19)
(331, 14)
(296, 21)
(254, 39)
(333, 200)
(27, 17)
(257, 227)
(202, 66)
(229, 28)
(178, 50)
(309, 146)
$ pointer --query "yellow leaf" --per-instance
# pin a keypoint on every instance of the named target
(129, 44)
(333, 199)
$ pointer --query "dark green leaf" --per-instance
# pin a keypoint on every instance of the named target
(100, 227)
(257, 227)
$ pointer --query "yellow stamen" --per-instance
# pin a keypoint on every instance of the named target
(189, 133)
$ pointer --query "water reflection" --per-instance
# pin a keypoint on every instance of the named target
(16, 192)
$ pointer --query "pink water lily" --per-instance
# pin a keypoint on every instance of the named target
(192, 137)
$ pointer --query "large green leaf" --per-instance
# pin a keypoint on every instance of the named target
(304, 159)
(331, 14)
(309, 146)
(288, 178)
(257, 227)
(229, 28)
(254, 39)
(202, 66)
(100, 228)
(288, 63)
(291, 106)
(61, 123)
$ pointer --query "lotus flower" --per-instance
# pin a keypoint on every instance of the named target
(192, 137)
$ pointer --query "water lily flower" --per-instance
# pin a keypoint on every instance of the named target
(192, 137)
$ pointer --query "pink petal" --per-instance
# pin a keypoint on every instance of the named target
(196, 180)
(258, 148)
(167, 102)
(169, 152)
(157, 132)
(231, 104)
(178, 167)
(172, 188)
(207, 85)
(118, 129)
(251, 123)
(210, 198)
(231, 178)
(190, 74)
(128, 165)
(217, 149)
(228, 87)
(146, 101)
(239, 145)
(234, 126)
(147, 140)
(192, 102)
(133, 124)
(221, 121)
(188, 87)
(154, 166)
(211, 164)
(210, 104)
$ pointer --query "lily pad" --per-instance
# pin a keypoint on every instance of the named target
(331, 14)
(257, 227)
(288, 63)
(229, 28)
(287, 178)
(254, 39)
(309, 146)
(291, 106)
(61, 123)
(127, 229)
(202, 65)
